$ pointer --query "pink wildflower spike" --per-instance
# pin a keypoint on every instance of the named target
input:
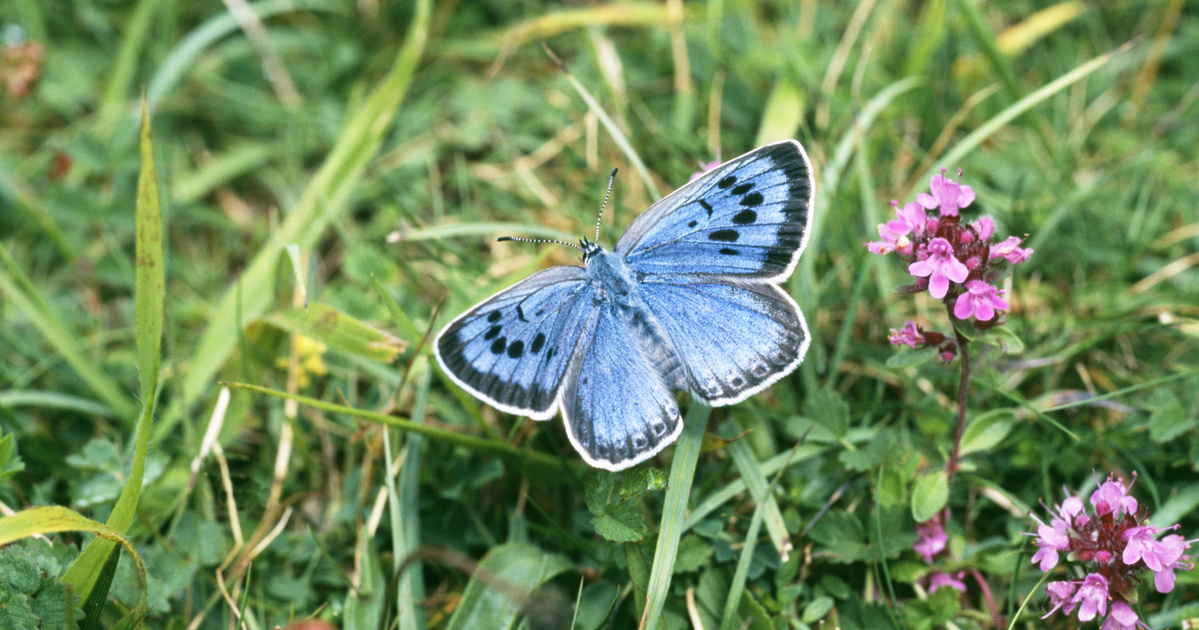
(1121, 617)
(1009, 249)
(980, 300)
(1091, 597)
(893, 239)
(950, 196)
(1112, 496)
(909, 335)
(1061, 595)
(941, 268)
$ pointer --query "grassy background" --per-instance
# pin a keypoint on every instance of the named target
(393, 147)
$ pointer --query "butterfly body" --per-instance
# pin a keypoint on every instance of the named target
(687, 300)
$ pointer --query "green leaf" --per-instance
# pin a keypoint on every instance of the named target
(828, 409)
(694, 554)
(30, 594)
(620, 522)
(1003, 338)
(911, 358)
(505, 581)
(339, 331)
(597, 489)
(817, 609)
(842, 533)
(987, 430)
(930, 493)
(10, 462)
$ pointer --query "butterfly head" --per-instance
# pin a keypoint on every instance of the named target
(589, 249)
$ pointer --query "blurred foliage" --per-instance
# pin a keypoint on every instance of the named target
(289, 513)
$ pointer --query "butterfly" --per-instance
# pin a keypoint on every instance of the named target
(689, 300)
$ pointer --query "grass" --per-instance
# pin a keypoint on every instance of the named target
(316, 464)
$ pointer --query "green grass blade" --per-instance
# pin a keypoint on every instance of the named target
(751, 472)
(502, 584)
(118, 88)
(21, 293)
(89, 566)
(674, 510)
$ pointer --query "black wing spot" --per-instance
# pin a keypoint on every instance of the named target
(728, 236)
(520, 313)
(727, 181)
(492, 332)
(538, 342)
(516, 349)
(752, 199)
(737, 381)
(549, 354)
(707, 206)
(494, 316)
(745, 217)
(729, 251)
(743, 188)
(497, 346)
(692, 223)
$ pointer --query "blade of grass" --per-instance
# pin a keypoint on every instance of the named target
(118, 88)
(674, 511)
(737, 587)
(404, 504)
(538, 463)
(322, 202)
(25, 297)
(84, 571)
(751, 472)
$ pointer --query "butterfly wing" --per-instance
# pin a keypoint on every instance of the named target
(617, 408)
(747, 217)
(735, 338)
(512, 349)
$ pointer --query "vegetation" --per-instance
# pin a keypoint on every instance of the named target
(217, 399)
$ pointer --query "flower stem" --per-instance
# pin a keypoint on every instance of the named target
(963, 389)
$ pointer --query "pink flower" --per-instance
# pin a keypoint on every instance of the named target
(947, 194)
(1112, 496)
(1061, 595)
(932, 539)
(937, 579)
(1122, 617)
(1091, 597)
(1010, 250)
(1170, 556)
(980, 300)
(1143, 545)
(893, 240)
(909, 335)
(1052, 539)
(940, 267)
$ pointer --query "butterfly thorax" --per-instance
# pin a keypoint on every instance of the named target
(618, 285)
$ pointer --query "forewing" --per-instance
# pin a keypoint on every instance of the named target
(512, 349)
(748, 217)
(617, 410)
(735, 338)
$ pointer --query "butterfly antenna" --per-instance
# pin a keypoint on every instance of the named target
(538, 240)
(611, 178)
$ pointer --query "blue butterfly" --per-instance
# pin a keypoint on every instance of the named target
(688, 300)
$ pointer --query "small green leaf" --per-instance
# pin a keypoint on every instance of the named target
(597, 488)
(827, 408)
(930, 493)
(503, 584)
(620, 522)
(911, 358)
(843, 535)
(817, 609)
(987, 430)
(1003, 338)
(694, 554)
(10, 462)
